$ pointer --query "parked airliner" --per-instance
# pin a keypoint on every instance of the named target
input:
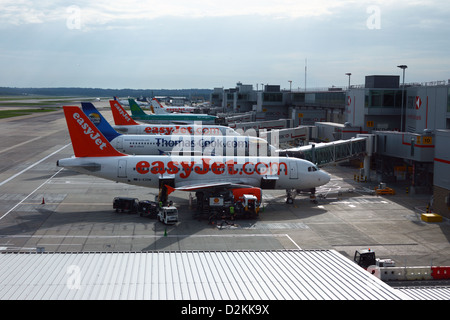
(175, 143)
(158, 108)
(125, 124)
(94, 155)
(138, 114)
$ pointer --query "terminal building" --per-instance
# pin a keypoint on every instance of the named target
(411, 125)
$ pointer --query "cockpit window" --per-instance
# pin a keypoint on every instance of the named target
(313, 168)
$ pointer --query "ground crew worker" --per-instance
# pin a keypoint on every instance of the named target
(232, 212)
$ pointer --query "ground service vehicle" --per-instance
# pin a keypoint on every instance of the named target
(229, 203)
(382, 189)
(366, 258)
(125, 204)
(168, 214)
(148, 208)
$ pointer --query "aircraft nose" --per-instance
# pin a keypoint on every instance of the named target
(324, 177)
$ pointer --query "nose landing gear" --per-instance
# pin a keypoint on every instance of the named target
(292, 193)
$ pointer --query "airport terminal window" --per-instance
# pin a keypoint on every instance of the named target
(389, 98)
(448, 100)
(383, 98)
(330, 98)
(273, 97)
(375, 98)
(298, 97)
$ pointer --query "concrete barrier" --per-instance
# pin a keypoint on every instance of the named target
(405, 273)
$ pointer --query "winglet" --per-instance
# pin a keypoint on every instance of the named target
(100, 122)
(121, 117)
(87, 141)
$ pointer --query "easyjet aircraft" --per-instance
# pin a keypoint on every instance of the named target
(125, 124)
(94, 155)
(138, 114)
(175, 143)
(158, 108)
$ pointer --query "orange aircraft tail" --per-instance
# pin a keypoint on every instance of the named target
(87, 140)
(121, 117)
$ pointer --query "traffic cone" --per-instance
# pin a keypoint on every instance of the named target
(43, 200)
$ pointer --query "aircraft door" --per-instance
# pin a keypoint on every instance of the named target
(119, 142)
(293, 172)
(122, 169)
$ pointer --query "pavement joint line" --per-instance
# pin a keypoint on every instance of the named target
(150, 236)
(31, 193)
(33, 165)
(28, 141)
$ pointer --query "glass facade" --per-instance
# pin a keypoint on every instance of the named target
(298, 97)
(384, 98)
(448, 100)
(242, 96)
(273, 97)
(330, 98)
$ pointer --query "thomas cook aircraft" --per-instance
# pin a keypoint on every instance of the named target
(125, 124)
(94, 155)
(176, 143)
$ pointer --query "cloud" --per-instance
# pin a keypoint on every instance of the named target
(101, 12)
(200, 42)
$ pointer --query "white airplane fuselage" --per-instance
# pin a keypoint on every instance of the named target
(167, 129)
(146, 171)
(179, 144)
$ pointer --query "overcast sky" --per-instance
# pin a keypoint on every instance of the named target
(178, 44)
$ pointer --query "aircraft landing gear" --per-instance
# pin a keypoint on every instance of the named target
(292, 193)
(290, 196)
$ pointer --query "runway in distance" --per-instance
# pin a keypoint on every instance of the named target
(186, 144)
(138, 114)
(94, 155)
(125, 124)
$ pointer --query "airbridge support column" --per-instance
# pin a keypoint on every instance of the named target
(367, 167)
(370, 149)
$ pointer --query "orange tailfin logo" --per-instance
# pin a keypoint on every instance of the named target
(121, 117)
(87, 141)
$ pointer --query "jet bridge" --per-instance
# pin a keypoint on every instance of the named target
(336, 151)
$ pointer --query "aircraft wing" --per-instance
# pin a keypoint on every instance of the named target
(210, 185)
(180, 122)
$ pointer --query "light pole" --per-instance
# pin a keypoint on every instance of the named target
(403, 67)
(348, 74)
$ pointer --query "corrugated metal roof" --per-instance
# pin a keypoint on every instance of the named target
(426, 293)
(189, 275)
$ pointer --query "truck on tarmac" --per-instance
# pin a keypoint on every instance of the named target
(125, 204)
(229, 203)
(168, 214)
(366, 258)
